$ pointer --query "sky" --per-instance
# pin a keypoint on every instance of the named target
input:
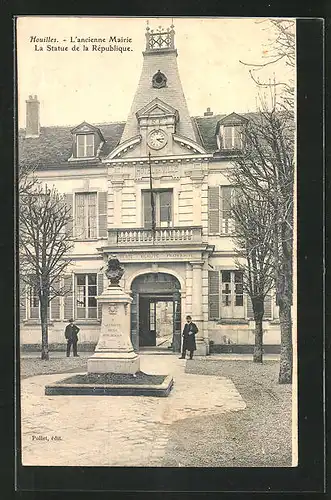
(73, 86)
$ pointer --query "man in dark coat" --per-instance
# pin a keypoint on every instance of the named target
(189, 332)
(70, 334)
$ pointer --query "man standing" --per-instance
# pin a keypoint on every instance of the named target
(70, 334)
(190, 329)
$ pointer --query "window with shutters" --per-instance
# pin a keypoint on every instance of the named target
(225, 295)
(163, 208)
(85, 145)
(86, 296)
(33, 311)
(86, 215)
(220, 201)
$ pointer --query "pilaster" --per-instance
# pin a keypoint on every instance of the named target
(197, 311)
(117, 183)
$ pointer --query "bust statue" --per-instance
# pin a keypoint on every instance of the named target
(114, 271)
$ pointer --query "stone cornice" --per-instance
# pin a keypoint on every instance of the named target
(160, 159)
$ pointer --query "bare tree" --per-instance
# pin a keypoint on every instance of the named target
(265, 172)
(26, 179)
(45, 243)
(280, 49)
(253, 238)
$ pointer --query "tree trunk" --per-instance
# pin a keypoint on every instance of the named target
(285, 368)
(258, 308)
(285, 319)
(258, 347)
(44, 329)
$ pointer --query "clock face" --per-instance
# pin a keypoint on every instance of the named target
(157, 139)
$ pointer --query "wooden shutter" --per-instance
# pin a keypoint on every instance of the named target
(214, 294)
(69, 198)
(214, 209)
(249, 312)
(22, 299)
(100, 290)
(69, 297)
(55, 303)
(268, 307)
(102, 213)
(225, 209)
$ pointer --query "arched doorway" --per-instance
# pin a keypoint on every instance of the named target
(155, 311)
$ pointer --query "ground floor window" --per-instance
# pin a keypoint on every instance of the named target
(33, 309)
(33, 299)
(85, 296)
(226, 294)
(226, 297)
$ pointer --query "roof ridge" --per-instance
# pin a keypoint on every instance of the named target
(74, 126)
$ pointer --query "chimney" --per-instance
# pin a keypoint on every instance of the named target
(32, 117)
(208, 112)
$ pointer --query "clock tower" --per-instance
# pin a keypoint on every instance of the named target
(159, 122)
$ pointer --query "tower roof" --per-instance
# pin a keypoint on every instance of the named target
(160, 79)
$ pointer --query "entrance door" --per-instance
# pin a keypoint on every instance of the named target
(147, 321)
(155, 311)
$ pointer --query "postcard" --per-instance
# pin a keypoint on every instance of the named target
(157, 241)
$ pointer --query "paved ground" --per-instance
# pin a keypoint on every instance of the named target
(151, 352)
(122, 431)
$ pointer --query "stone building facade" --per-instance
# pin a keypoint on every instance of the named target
(105, 171)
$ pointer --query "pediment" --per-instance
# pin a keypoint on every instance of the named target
(85, 128)
(231, 119)
(157, 108)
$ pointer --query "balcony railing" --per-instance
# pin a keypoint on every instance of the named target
(142, 236)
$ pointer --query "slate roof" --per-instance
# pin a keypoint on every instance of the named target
(206, 125)
(54, 145)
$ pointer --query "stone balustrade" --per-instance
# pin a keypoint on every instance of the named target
(142, 236)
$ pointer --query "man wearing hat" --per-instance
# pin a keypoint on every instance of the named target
(189, 332)
(70, 334)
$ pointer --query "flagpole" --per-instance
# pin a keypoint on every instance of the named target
(152, 195)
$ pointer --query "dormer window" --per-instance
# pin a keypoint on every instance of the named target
(87, 142)
(85, 145)
(229, 132)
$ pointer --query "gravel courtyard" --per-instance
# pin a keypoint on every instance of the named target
(259, 436)
(221, 413)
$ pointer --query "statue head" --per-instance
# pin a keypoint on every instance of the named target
(114, 271)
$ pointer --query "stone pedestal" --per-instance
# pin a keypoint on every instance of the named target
(114, 352)
(202, 347)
